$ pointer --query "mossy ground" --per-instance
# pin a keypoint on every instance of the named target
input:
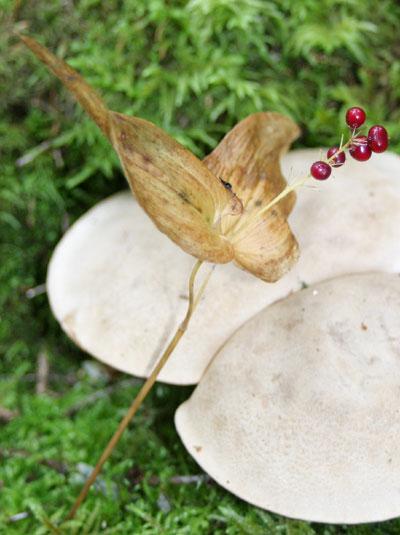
(195, 68)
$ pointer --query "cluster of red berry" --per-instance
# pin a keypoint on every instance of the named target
(360, 147)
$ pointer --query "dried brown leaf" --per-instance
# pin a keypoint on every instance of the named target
(183, 198)
(249, 159)
(186, 198)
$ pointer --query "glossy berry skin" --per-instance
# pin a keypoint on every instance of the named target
(320, 170)
(355, 117)
(360, 150)
(338, 160)
(378, 139)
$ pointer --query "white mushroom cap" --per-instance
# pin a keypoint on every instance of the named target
(299, 413)
(119, 289)
(118, 286)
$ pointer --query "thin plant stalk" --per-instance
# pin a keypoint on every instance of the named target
(147, 386)
(237, 231)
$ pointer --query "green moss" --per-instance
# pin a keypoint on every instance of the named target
(195, 68)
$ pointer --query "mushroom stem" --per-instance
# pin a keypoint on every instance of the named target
(147, 386)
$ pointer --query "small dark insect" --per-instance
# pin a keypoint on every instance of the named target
(227, 185)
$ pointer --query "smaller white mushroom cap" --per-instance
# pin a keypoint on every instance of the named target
(350, 222)
(299, 412)
(118, 286)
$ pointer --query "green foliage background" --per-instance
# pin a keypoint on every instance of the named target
(195, 68)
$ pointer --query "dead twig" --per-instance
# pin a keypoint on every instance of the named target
(188, 480)
(18, 516)
(33, 153)
(135, 476)
(42, 373)
(57, 157)
(67, 378)
(37, 290)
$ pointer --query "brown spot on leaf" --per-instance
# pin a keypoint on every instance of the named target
(124, 139)
(184, 196)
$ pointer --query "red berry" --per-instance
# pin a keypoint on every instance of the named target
(359, 149)
(355, 117)
(378, 138)
(320, 170)
(338, 160)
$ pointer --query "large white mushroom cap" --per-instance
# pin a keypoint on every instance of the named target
(119, 287)
(300, 411)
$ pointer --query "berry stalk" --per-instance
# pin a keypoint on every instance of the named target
(359, 147)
